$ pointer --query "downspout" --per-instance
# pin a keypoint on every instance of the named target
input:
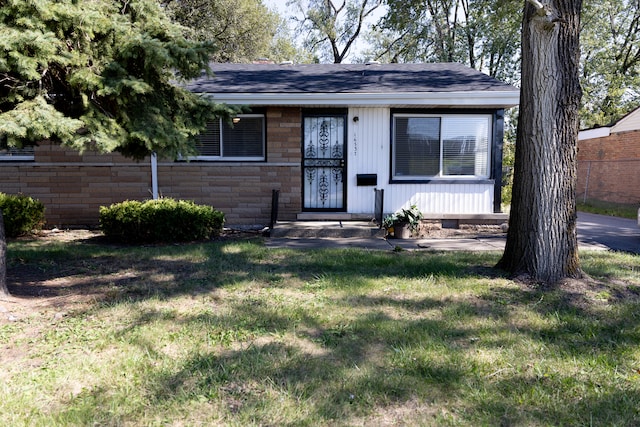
(154, 175)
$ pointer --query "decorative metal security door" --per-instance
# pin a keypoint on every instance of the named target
(323, 164)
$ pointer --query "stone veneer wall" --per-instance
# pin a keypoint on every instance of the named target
(73, 186)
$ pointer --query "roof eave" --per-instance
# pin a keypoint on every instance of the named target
(600, 132)
(486, 99)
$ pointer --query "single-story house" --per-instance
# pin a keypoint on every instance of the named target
(609, 161)
(323, 136)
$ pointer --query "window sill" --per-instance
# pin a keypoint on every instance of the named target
(16, 159)
(221, 160)
(469, 180)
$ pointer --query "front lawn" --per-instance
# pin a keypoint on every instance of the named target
(233, 333)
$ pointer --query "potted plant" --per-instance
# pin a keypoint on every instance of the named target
(404, 223)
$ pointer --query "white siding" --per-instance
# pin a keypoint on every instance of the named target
(369, 139)
(629, 122)
(440, 198)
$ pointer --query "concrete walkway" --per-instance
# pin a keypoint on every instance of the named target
(595, 232)
(485, 243)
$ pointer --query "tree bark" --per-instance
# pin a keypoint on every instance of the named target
(4, 291)
(542, 239)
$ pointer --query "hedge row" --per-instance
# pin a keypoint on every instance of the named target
(164, 220)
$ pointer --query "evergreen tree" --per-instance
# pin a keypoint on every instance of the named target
(101, 74)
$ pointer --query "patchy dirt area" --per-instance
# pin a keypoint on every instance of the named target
(51, 288)
(466, 231)
(54, 292)
(68, 235)
(54, 289)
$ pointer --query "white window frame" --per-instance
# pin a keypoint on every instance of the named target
(440, 175)
(222, 157)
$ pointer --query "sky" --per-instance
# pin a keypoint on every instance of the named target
(281, 7)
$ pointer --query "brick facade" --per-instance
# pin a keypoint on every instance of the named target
(609, 168)
(73, 186)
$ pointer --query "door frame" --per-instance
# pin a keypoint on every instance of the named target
(326, 112)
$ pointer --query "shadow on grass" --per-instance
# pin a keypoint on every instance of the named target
(348, 371)
(173, 270)
(498, 354)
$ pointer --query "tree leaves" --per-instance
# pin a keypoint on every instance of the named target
(101, 74)
(241, 30)
(485, 34)
(35, 120)
(610, 45)
(332, 27)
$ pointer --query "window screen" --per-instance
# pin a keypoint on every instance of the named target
(426, 146)
(242, 140)
(465, 145)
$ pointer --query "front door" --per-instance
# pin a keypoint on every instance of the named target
(323, 162)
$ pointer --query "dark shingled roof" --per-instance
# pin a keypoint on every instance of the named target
(345, 78)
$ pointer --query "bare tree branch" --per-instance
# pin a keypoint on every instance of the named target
(542, 9)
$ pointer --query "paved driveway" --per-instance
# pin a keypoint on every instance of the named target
(618, 234)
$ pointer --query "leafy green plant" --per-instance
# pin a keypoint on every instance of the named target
(164, 220)
(22, 214)
(411, 216)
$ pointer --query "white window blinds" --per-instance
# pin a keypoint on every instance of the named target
(430, 146)
(241, 140)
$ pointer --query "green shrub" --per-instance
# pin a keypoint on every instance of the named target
(164, 220)
(22, 214)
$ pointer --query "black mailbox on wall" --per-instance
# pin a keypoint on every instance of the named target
(364, 179)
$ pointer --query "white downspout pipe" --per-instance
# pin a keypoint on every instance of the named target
(154, 175)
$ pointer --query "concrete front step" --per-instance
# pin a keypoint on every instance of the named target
(326, 229)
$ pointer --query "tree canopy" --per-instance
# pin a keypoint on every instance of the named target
(241, 30)
(100, 74)
(610, 44)
(485, 34)
(331, 27)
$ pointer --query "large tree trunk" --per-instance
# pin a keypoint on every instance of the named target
(4, 291)
(542, 240)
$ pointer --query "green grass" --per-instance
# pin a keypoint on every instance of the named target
(233, 333)
(608, 208)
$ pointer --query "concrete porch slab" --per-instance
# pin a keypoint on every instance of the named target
(326, 229)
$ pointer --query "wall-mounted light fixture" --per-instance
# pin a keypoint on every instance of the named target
(356, 119)
(235, 120)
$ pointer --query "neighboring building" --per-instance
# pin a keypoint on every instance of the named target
(323, 135)
(609, 162)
